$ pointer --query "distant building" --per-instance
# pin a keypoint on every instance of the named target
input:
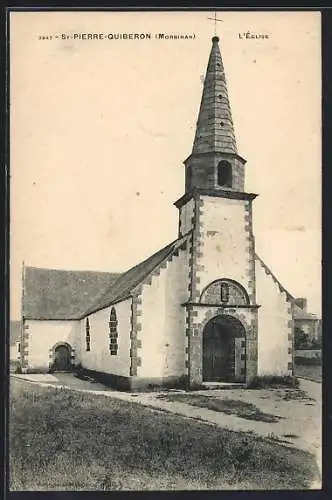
(15, 340)
(309, 323)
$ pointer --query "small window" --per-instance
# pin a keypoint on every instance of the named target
(113, 333)
(87, 334)
(225, 174)
(224, 292)
(19, 347)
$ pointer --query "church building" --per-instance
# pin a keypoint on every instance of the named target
(204, 309)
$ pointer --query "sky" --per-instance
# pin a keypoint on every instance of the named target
(99, 130)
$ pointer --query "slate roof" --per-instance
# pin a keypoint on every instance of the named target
(126, 283)
(215, 129)
(59, 294)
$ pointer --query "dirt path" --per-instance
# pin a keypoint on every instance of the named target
(297, 413)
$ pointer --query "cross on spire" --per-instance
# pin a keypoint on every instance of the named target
(215, 22)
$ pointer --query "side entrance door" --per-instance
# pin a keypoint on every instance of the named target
(62, 361)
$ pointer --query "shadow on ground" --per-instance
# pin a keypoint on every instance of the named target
(228, 406)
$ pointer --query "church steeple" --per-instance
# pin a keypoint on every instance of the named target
(214, 162)
(215, 131)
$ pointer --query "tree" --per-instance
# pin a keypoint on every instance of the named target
(302, 340)
(316, 344)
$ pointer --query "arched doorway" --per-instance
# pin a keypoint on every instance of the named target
(62, 358)
(224, 350)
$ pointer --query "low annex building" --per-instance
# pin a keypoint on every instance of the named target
(205, 308)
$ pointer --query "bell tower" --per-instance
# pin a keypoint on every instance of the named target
(214, 162)
(217, 213)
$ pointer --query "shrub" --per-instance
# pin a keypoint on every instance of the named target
(299, 360)
(13, 365)
(179, 383)
(316, 343)
(301, 339)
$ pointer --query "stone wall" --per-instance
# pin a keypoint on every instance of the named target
(99, 358)
(275, 325)
(222, 247)
(186, 215)
(213, 293)
(224, 244)
(162, 320)
(39, 339)
(197, 319)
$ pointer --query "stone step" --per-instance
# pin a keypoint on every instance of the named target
(224, 385)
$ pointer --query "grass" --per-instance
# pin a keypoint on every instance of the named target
(67, 440)
(238, 408)
(292, 395)
(311, 372)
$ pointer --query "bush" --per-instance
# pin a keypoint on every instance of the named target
(302, 340)
(13, 365)
(179, 383)
(299, 360)
(316, 344)
(261, 382)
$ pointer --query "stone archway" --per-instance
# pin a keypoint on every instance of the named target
(62, 357)
(224, 350)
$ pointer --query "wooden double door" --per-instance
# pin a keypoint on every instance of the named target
(223, 353)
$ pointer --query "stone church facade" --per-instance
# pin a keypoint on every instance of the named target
(205, 308)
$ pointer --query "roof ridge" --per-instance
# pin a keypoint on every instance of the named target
(122, 279)
(61, 294)
(72, 270)
(171, 245)
(148, 258)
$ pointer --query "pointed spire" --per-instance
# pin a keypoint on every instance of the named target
(215, 130)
